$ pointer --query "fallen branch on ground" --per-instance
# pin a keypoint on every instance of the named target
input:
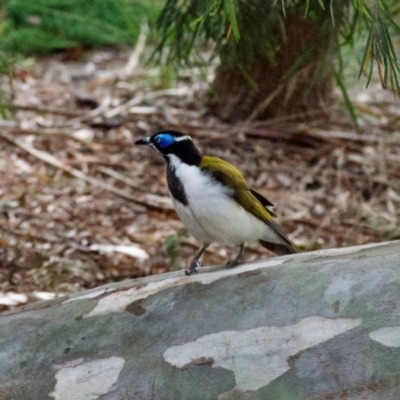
(288, 327)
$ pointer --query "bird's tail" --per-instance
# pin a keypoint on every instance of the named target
(281, 249)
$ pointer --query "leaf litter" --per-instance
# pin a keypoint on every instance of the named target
(81, 206)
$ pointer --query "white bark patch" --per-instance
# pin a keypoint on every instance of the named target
(389, 336)
(117, 301)
(339, 290)
(87, 381)
(258, 356)
(88, 295)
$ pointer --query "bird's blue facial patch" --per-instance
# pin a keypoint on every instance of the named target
(163, 140)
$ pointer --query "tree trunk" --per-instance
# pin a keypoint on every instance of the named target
(320, 325)
(278, 92)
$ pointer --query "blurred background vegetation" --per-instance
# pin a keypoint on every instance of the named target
(278, 58)
(44, 26)
(274, 58)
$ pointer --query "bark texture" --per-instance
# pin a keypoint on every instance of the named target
(320, 325)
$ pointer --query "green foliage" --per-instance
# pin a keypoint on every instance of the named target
(42, 26)
(241, 30)
(187, 25)
(32, 27)
(7, 63)
(379, 47)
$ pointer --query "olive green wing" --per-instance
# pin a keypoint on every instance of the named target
(251, 201)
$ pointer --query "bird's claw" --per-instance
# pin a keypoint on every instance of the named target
(234, 263)
(194, 267)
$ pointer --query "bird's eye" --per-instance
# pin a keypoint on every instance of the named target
(158, 140)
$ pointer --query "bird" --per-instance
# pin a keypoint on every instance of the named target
(214, 201)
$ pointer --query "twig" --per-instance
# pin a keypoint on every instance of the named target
(149, 201)
(48, 133)
(142, 98)
(49, 110)
(119, 177)
(264, 104)
(123, 107)
(290, 85)
(285, 118)
(134, 58)
(91, 160)
(353, 136)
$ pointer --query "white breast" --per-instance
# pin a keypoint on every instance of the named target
(212, 215)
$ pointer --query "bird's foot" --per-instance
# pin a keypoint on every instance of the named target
(235, 262)
(194, 267)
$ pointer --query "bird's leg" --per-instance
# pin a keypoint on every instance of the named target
(238, 260)
(195, 263)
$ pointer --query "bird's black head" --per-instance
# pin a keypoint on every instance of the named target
(175, 143)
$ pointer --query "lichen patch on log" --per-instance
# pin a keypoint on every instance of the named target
(87, 381)
(389, 336)
(258, 356)
(339, 290)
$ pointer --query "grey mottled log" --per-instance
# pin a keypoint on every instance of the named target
(321, 325)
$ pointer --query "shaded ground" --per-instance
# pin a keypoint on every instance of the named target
(73, 183)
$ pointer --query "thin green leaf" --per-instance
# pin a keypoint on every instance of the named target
(248, 77)
(387, 53)
(307, 8)
(367, 13)
(230, 9)
(347, 102)
(321, 3)
(368, 52)
(331, 10)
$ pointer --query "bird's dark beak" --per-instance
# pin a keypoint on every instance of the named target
(145, 140)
